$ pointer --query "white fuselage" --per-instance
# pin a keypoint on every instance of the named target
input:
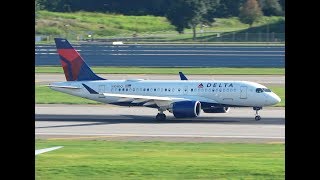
(228, 93)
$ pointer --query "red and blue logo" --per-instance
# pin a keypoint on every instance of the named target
(200, 85)
(75, 69)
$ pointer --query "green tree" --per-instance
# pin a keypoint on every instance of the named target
(270, 7)
(189, 13)
(282, 3)
(250, 12)
(229, 8)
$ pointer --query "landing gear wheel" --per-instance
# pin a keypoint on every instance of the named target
(161, 117)
(257, 118)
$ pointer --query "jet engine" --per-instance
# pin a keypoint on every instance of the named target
(217, 110)
(186, 109)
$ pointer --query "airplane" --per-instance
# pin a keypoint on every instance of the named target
(40, 151)
(184, 98)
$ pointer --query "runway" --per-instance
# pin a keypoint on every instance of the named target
(267, 80)
(187, 55)
(138, 123)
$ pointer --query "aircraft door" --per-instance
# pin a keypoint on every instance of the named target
(243, 92)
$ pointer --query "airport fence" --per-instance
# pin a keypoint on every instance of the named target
(173, 37)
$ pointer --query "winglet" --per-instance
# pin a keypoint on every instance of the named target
(182, 76)
(91, 91)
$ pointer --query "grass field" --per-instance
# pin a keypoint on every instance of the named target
(100, 25)
(84, 159)
(45, 95)
(154, 70)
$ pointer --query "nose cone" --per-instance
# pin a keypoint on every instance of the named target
(274, 99)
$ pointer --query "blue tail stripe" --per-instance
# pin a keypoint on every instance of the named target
(86, 74)
(62, 43)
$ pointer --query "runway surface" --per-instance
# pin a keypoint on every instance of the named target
(267, 80)
(170, 55)
(138, 123)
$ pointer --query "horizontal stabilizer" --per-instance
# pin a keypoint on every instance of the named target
(67, 87)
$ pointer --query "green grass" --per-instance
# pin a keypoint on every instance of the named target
(99, 23)
(149, 28)
(280, 91)
(83, 159)
(187, 71)
(45, 95)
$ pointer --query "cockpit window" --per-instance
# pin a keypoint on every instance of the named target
(259, 90)
(266, 90)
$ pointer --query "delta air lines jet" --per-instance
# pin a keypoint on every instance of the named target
(184, 98)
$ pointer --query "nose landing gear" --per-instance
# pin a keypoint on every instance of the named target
(257, 118)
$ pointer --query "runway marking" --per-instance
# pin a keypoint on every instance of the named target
(165, 135)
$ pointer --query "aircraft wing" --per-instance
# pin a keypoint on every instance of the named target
(147, 100)
(161, 101)
(152, 100)
(40, 151)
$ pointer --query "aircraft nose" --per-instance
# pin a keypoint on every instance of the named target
(275, 99)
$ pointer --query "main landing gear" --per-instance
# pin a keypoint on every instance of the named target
(257, 118)
(161, 116)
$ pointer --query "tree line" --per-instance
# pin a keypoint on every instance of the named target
(181, 13)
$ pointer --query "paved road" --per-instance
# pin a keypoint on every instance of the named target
(170, 55)
(273, 80)
(138, 123)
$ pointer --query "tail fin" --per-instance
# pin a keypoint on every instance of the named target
(74, 67)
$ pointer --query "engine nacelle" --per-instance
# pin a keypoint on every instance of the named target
(217, 110)
(186, 109)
